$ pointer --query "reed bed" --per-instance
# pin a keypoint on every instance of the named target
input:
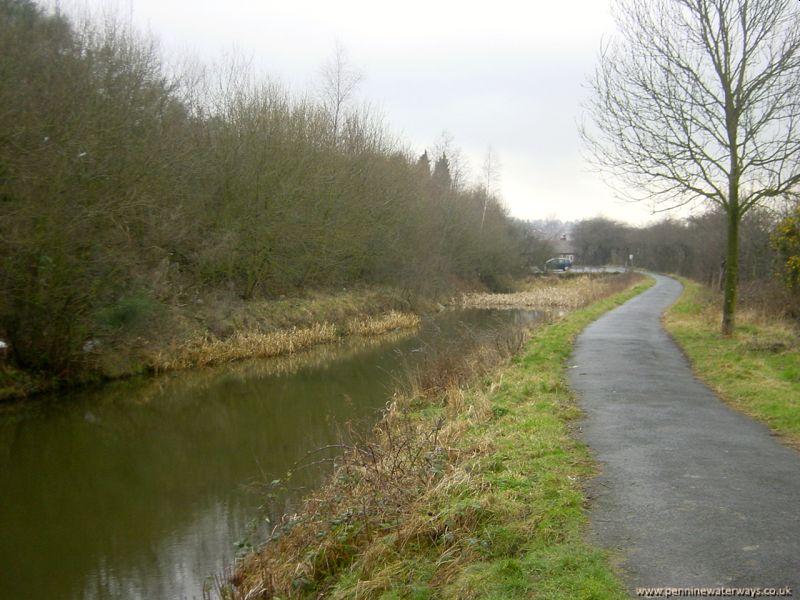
(378, 325)
(212, 351)
(552, 293)
(208, 351)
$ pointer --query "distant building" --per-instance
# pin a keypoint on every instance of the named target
(565, 248)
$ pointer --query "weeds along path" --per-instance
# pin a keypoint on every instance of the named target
(691, 493)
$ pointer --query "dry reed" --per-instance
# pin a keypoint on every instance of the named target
(381, 324)
(205, 351)
(208, 351)
(547, 293)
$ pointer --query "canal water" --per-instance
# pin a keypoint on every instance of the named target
(143, 488)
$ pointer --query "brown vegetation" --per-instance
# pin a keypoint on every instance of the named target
(206, 352)
(221, 329)
(554, 292)
(382, 324)
(253, 344)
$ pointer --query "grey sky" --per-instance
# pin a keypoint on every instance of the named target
(502, 73)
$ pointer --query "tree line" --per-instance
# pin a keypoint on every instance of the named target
(696, 247)
(125, 186)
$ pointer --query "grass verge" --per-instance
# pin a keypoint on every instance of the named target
(756, 371)
(467, 491)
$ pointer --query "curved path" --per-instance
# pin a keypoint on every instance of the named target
(691, 493)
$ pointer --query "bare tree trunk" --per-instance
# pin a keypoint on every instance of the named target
(731, 275)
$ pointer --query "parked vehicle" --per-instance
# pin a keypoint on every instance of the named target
(557, 264)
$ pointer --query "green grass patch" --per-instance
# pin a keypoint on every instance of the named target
(533, 479)
(756, 371)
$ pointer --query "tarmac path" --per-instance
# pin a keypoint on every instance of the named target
(691, 493)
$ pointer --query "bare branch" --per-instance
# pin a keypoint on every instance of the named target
(339, 83)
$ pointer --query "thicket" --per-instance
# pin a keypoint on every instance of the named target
(126, 187)
(695, 247)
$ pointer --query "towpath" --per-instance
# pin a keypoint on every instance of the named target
(691, 493)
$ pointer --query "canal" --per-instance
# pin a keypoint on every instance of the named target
(142, 489)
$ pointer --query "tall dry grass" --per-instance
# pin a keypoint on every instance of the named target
(208, 351)
(152, 388)
(769, 301)
(378, 325)
(765, 310)
(555, 292)
(203, 352)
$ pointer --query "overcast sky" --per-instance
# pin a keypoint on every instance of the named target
(499, 73)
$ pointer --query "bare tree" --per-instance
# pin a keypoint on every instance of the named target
(491, 178)
(339, 82)
(700, 100)
(458, 167)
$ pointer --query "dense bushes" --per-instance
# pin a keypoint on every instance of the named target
(786, 239)
(123, 186)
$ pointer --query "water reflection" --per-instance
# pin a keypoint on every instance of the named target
(139, 489)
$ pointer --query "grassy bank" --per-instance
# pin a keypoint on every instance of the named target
(756, 371)
(218, 329)
(469, 488)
